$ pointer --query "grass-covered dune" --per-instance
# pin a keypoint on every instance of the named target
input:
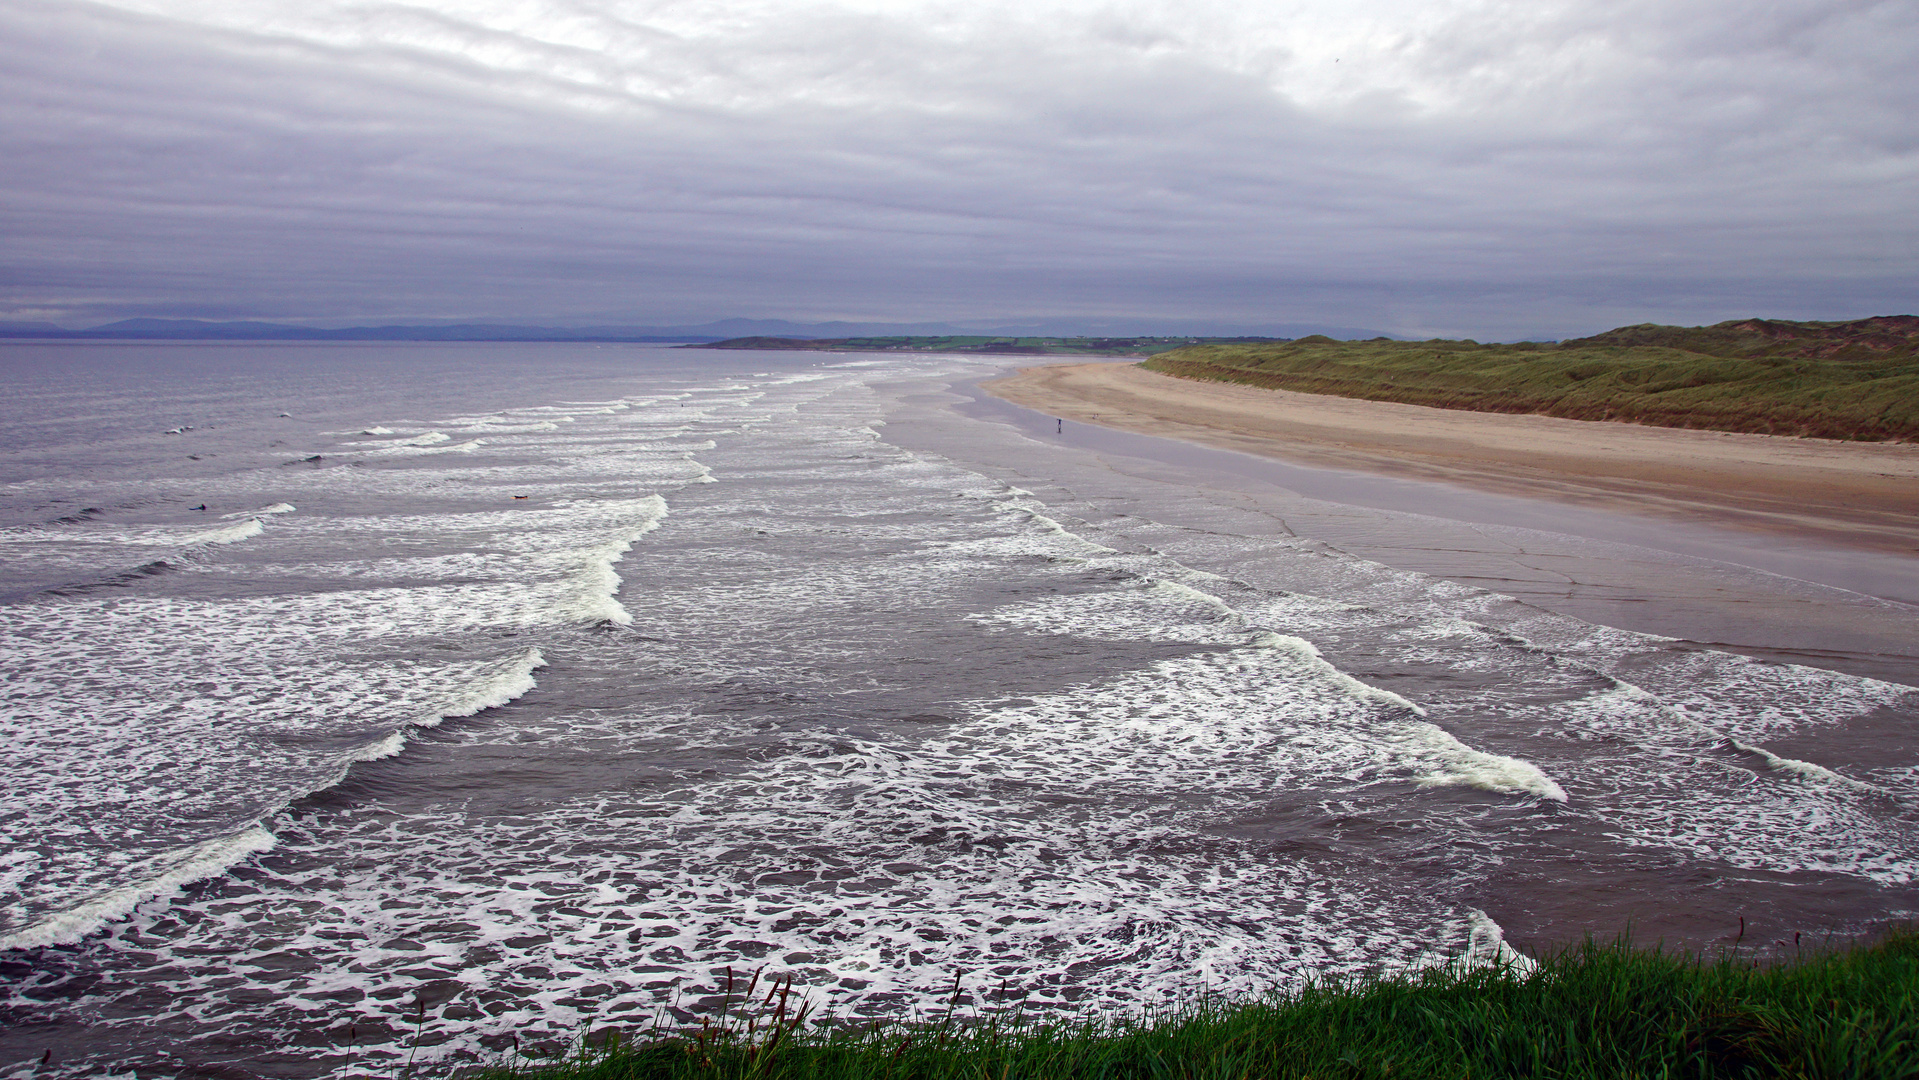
(1592, 1012)
(1843, 380)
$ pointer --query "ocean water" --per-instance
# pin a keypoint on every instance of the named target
(366, 703)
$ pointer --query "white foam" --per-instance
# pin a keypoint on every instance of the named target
(1187, 592)
(1054, 527)
(1486, 947)
(171, 709)
(1459, 765)
(1162, 609)
(498, 428)
(1751, 699)
(276, 508)
(1668, 781)
(1622, 701)
(509, 681)
(232, 534)
(1309, 654)
(1677, 768)
(1807, 770)
(1149, 612)
(181, 867)
(418, 448)
(977, 854)
(375, 751)
(490, 688)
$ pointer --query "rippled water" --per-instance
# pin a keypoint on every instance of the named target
(501, 690)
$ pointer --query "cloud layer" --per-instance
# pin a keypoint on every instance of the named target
(1492, 168)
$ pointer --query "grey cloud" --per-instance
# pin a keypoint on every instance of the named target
(1493, 169)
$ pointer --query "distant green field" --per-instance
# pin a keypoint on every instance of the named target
(1851, 380)
(1592, 1013)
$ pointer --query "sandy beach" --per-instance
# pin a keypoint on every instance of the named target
(1863, 495)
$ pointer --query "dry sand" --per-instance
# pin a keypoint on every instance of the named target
(1862, 495)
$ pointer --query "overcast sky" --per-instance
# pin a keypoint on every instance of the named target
(1486, 168)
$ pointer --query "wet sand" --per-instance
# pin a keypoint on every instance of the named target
(1857, 495)
(1669, 563)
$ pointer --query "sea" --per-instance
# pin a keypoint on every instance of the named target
(376, 705)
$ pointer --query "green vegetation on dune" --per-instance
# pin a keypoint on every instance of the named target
(1596, 1011)
(1851, 380)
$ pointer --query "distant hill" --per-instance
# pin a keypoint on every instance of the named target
(1876, 338)
(196, 330)
(1834, 380)
(1035, 328)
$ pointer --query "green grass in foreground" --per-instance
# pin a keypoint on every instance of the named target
(1857, 380)
(1596, 1011)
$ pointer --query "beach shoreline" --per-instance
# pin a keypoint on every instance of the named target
(1855, 495)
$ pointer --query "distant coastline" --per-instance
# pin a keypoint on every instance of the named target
(988, 344)
(196, 330)
(1856, 380)
(732, 333)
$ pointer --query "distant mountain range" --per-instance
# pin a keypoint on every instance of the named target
(196, 330)
(199, 330)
